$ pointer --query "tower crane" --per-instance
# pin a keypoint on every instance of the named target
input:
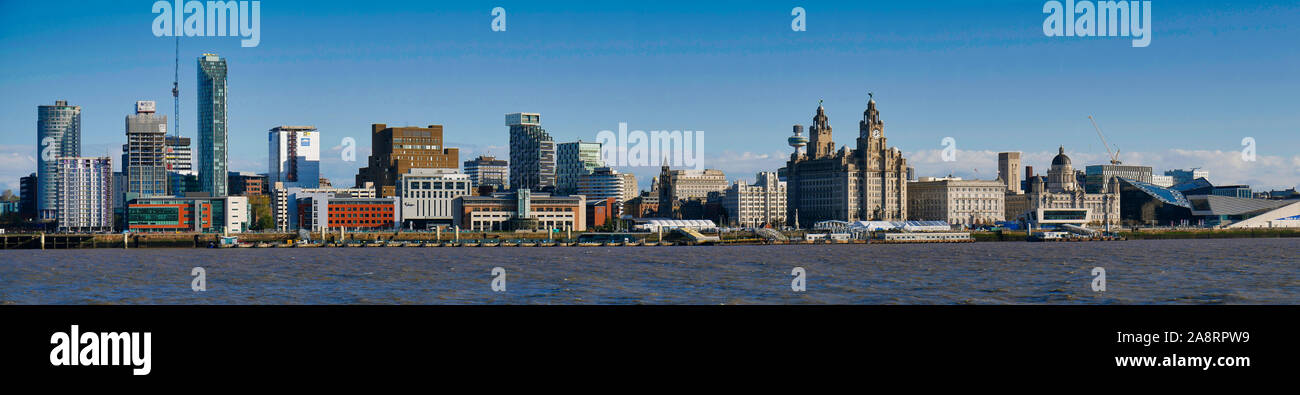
(1114, 156)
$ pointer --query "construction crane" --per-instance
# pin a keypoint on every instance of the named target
(1114, 156)
(176, 89)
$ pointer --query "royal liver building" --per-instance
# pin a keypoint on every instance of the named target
(867, 183)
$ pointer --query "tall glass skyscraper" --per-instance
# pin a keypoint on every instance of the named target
(532, 153)
(58, 134)
(212, 125)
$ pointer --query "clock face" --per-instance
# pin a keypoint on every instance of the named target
(875, 133)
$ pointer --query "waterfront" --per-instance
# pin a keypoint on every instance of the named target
(1237, 271)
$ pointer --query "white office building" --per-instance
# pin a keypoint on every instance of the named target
(285, 200)
(757, 204)
(294, 156)
(425, 196)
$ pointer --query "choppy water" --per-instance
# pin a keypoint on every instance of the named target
(1241, 271)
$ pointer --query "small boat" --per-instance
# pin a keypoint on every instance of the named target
(263, 244)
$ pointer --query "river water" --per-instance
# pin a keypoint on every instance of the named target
(1235, 271)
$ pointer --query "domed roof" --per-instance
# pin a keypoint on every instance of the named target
(1061, 159)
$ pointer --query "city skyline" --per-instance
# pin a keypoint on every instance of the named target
(736, 72)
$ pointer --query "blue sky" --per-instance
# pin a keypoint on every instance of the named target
(981, 72)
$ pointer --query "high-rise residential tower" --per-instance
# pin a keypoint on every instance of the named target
(532, 152)
(58, 134)
(212, 125)
(180, 157)
(488, 171)
(574, 160)
(85, 202)
(294, 156)
(144, 155)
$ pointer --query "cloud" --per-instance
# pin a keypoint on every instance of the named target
(1225, 167)
(16, 161)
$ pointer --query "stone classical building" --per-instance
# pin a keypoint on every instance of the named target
(762, 203)
(677, 187)
(957, 201)
(1058, 198)
(866, 183)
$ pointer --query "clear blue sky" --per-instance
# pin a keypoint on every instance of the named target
(979, 71)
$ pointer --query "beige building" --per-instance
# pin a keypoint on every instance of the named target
(867, 183)
(762, 203)
(520, 210)
(604, 183)
(957, 201)
(1009, 171)
(676, 186)
(1058, 198)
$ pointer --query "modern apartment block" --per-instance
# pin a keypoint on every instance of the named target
(58, 134)
(285, 201)
(179, 155)
(397, 150)
(757, 204)
(246, 184)
(958, 201)
(85, 195)
(574, 160)
(324, 211)
(27, 196)
(424, 197)
(144, 156)
(183, 182)
(224, 214)
(604, 183)
(1008, 171)
(294, 156)
(213, 141)
(532, 153)
(1098, 176)
(1183, 176)
(488, 171)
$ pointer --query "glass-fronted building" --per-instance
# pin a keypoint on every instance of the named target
(212, 125)
(58, 134)
(188, 214)
(574, 160)
(532, 153)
